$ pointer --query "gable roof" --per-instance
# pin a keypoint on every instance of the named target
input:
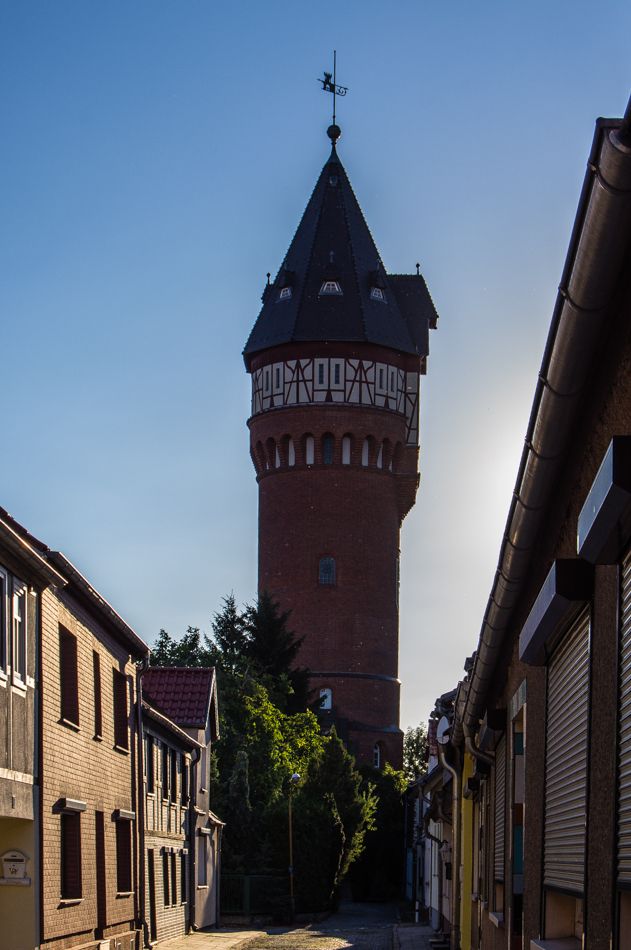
(187, 695)
(333, 242)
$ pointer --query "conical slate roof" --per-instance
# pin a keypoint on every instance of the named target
(333, 243)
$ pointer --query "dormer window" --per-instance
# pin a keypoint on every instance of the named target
(333, 180)
(331, 287)
(377, 294)
(285, 293)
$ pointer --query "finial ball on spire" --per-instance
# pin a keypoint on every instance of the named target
(334, 132)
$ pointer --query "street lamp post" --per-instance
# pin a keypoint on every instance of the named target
(292, 904)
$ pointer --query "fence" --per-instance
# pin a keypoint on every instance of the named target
(245, 894)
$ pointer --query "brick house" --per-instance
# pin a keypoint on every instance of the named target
(178, 809)
(68, 778)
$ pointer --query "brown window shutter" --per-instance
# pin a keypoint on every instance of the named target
(71, 856)
(165, 879)
(149, 765)
(98, 711)
(165, 771)
(121, 731)
(173, 878)
(173, 788)
(123, 856)
(69, 680)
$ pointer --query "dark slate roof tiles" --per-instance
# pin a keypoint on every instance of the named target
(333, 242)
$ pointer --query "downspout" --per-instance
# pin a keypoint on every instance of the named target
(455, 876)
(471, 747)
(140, 806)
(595, 257)
(218, 880)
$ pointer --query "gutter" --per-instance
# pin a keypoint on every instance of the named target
(22, 549)
(142, 900)
(595, 258)
(455, 877)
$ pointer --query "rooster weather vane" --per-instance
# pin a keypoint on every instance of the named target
(329, 83)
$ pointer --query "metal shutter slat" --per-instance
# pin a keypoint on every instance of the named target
(624, 728)
(566, 760)
(500, 809)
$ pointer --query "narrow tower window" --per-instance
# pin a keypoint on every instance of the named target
(392, 381)
(380, 457)
(328, 450)
(291, 452)
(320, 373)
(376, 757)
(310, 450)
(277, 458)
(277, 377)
(327, 570)
(325, 698)
(337, 374)
(346, 450)
(266, 380)
(380, 379)
(365, 452)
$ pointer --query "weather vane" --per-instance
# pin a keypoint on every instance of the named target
(329, 84)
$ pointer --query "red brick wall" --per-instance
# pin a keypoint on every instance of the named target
(352, 513)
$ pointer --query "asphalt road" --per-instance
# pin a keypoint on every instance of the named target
(355, 925)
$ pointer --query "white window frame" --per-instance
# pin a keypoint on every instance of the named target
(18, 634)
(377, 293)
(5, 613)
(328, 701)
(330, 288)
(285, 293)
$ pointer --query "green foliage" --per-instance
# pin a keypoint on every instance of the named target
(414, 743)
(376, 875)
(332, 811)
(188, 651)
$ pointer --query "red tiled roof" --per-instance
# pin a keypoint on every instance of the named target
(181, 693)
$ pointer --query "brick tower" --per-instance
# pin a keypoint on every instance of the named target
(336, 356)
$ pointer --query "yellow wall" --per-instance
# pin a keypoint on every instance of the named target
(19, 905)
(466, 858)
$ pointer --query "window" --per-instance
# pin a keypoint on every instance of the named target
(325, 698)
(277, 377)
(377, 293)
(310, 450)
(4, 587)
(285, 293)
(202, 859)
(203, 770)
(173, 878)
(266, 380)
(331, 287)
(19, 631)
(71, 856)
(183, 876)
(98, 712)
(121, 731)
(346, 450)
(320, 373)
(165, 771)
(376, 756)
(149, 766)
(380, 457)
(68, 676)
(165, 878)
(291, 452)
(327, 570)
(381, 379)
(328, 450)
(173, 795)
(337, 374)
(184, 786)
(366, 452)
(392, 381)
(123, 856)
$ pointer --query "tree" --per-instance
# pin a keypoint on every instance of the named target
(376, 875)
(414, 744)
(188, 651)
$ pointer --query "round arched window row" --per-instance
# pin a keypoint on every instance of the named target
(326, 573)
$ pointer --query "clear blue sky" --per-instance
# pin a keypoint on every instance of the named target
(156, 158)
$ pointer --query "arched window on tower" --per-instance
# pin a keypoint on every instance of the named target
(325, 698)
(380, 457)
(327, 449)
(309, 450)
(376, 756)
(366, 452)
(291, 452)
(327, 570)
(346, 450)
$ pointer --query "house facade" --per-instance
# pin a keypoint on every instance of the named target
(537, 735)
(183, 835)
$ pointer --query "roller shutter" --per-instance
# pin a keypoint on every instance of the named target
(500, 810)
(624, 727)
(566, 761)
